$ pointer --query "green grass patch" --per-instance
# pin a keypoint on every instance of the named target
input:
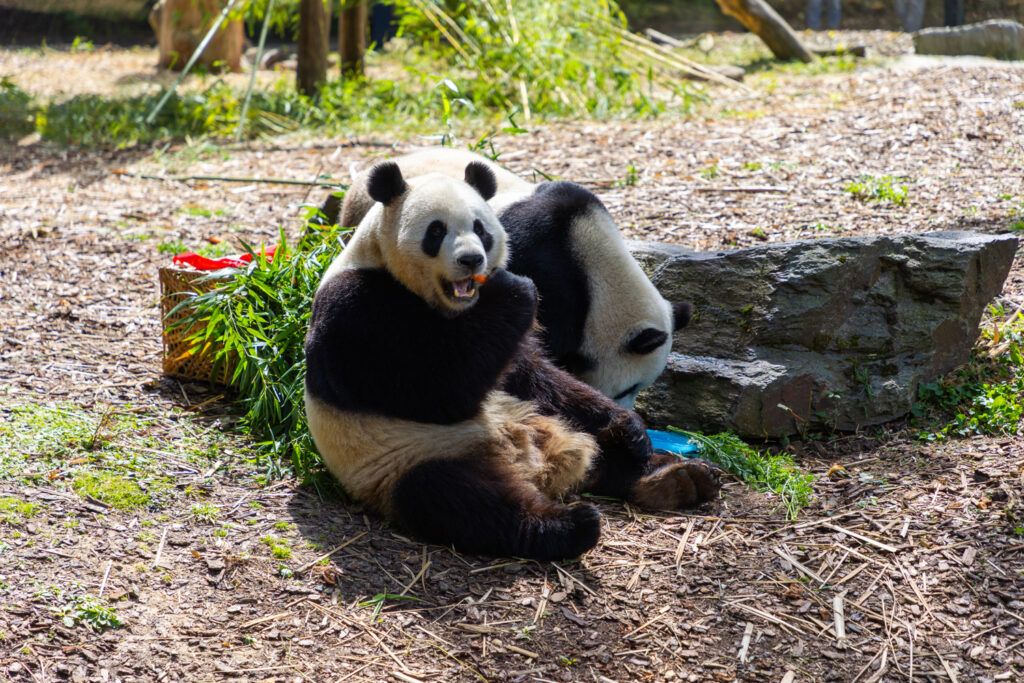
(764, 472)
(115, 490)
(886, 188)
(831, 64)
(112, 453)
(15, 511)
(485, 62)
(986, 396)
(205, 513)
(279, 548)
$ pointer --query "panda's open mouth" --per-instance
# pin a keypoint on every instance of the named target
(459, 289)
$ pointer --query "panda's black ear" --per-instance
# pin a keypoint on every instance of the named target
(681, 314)
(479, 176)
(385, 182)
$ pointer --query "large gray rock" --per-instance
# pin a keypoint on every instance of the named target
(998, 38)
(839, 331)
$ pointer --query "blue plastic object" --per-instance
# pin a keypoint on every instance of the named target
(670, 442)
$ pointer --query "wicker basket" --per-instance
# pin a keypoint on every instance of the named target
(180, 358)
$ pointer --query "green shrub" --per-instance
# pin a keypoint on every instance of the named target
(986, 396)
(16, 110)
(94, 612)
(259, 316)
(546, 57)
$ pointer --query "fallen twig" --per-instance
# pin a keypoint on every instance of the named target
(328, 554)
(779, 550)
(226, 179)
(758, 188)
(860, 537)
(264, 620)
(106, 575)
(160, 549)
(748, 631)
(837, 610)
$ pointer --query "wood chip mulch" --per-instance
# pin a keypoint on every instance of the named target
(910, 568)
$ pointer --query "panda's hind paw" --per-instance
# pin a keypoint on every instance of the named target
(685, 483)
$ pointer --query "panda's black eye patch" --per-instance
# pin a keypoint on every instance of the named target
(433, 238)
(627, 392)
(486, 238)
(646, 341)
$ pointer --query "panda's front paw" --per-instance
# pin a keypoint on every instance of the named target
(627, 436)
(514, 290)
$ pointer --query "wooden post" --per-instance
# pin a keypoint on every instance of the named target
(761, 19)
(352, 27)
(312, 67)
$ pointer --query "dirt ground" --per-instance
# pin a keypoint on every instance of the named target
(912, 568)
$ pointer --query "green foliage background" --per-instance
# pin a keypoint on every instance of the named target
(479, 62)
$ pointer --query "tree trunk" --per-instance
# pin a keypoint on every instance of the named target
(761, 19)
(352, 25)
(180, 25)
(312, 67)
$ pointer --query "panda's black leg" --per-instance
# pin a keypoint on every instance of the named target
(483, 508)
(675, 482)
(654, 480)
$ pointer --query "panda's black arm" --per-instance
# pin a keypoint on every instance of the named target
(534, 377)
(625, 447)
(374, 346)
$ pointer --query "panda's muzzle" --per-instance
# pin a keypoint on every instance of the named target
(464, 288)
(460, 289)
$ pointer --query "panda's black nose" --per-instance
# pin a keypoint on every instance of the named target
(471, 261)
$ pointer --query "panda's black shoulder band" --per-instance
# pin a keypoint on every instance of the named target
(385, 182)
(481, 178)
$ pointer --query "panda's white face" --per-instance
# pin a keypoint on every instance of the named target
(445, 241)
(628, 331)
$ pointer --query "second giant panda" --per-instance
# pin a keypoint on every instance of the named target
(601, 318)
(431, 401)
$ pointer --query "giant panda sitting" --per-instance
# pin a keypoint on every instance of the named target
(601, 318)
(431, 401)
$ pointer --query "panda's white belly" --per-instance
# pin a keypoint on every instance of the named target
(369, 453)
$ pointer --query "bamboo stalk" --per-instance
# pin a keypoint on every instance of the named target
(659, 53)
(254, 67)
(428, 12)
(226, 179)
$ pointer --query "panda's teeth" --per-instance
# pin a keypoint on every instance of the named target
(462, 288)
